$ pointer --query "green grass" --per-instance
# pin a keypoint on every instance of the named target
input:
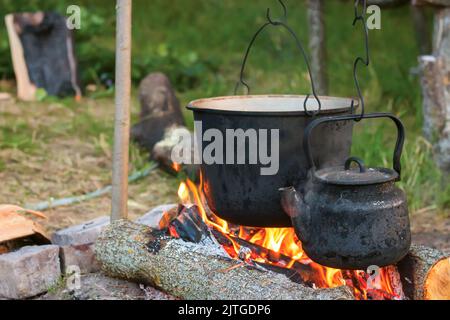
(18, 136)
(200, 44)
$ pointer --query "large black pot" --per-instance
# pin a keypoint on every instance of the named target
(239, 193)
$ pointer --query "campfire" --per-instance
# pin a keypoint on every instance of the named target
(280, 250)
(190, 253)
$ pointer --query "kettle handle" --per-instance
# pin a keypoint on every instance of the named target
(398, 146)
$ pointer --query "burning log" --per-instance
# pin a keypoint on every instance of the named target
(194, 271)
(425, 274)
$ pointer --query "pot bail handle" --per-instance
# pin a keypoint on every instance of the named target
(398, 145)
(279, 23)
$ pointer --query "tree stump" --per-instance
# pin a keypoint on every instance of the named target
(435, 73)
(160, 110)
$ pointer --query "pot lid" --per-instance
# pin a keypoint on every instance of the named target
(345, 175)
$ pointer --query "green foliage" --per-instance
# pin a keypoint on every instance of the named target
(41, 94)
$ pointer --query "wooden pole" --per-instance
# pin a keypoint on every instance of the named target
(122, 109)
(317, 45)
(423, 35)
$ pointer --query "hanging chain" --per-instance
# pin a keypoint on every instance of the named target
(362, 18)
(280, 23)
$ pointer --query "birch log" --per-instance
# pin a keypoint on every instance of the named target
(435, 73)
(192, 271)
(425, 274)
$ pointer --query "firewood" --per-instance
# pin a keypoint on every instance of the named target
(26, 90)
(42, 54)
(193, 271)
(15, 225)
(437, 285)
(425, 274)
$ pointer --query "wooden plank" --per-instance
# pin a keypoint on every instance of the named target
(26, 90)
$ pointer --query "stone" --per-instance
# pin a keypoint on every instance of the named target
(154, 216)
(81, 234)
(81, 256)
(77, 245)
(28, 272)
(97, 286)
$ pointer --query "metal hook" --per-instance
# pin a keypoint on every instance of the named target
(299, 45)
(274, 22)
(357, 13)
(361, 17)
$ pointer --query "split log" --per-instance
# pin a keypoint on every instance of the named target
(425, 274)
(192, 271)
(42, 54)
(160, 110)
(433, 114)
(26, 90)
(436, 90)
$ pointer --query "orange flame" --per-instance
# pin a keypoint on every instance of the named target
(282, 241)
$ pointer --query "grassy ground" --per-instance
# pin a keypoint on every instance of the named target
(58, 148)
(61, 149)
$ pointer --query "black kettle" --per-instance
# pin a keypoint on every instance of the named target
(347, 217)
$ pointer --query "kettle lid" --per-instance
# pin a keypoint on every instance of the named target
(345, 175)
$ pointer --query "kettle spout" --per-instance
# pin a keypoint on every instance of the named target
(295, 207)
(291, 202)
